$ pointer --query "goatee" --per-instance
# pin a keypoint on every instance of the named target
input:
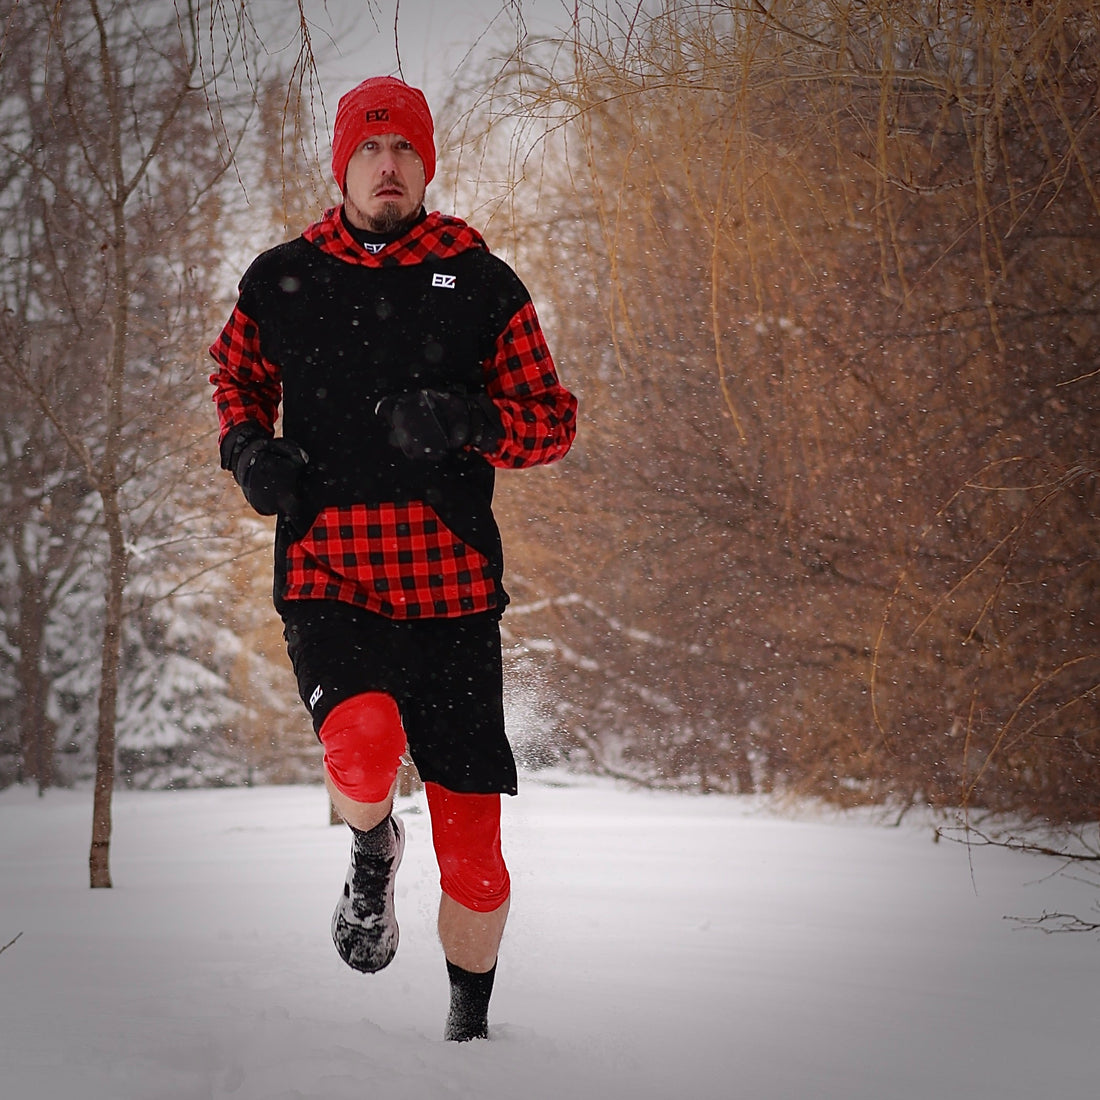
(390, 220)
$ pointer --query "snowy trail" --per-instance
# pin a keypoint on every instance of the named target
(661, 946)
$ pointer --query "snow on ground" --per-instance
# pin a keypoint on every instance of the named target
(661, 946)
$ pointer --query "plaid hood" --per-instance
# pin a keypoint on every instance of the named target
(438, 235)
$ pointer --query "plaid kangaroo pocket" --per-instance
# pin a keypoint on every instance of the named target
(399, 560)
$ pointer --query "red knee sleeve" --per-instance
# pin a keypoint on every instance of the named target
(363, 740)
(466, 834)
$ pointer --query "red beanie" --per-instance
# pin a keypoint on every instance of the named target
(382, 105)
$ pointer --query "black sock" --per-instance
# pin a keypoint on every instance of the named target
(469, 1014)
(374, 842)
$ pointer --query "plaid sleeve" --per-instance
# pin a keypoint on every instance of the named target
(538, 413)
(246, 385)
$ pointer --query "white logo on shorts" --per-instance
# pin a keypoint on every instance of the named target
(318, 691)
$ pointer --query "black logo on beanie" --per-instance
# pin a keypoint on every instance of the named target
(380, 114)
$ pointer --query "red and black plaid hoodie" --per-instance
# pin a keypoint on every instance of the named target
(326, 328)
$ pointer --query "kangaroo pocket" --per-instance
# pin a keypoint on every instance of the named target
(398, 560)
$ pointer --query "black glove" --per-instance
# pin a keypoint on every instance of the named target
(269, 472)
(427, 424)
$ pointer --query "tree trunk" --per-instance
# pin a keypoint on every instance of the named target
(110, 661)
(36, 731)
(110, 657)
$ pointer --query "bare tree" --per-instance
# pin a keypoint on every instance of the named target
(114, 152)
(824, 277)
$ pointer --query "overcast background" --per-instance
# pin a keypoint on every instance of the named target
(423, 41)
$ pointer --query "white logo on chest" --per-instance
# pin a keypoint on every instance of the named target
(446, 281)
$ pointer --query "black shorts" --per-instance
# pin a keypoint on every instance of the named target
(445, 674)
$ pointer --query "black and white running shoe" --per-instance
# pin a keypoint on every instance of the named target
(364, 926)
